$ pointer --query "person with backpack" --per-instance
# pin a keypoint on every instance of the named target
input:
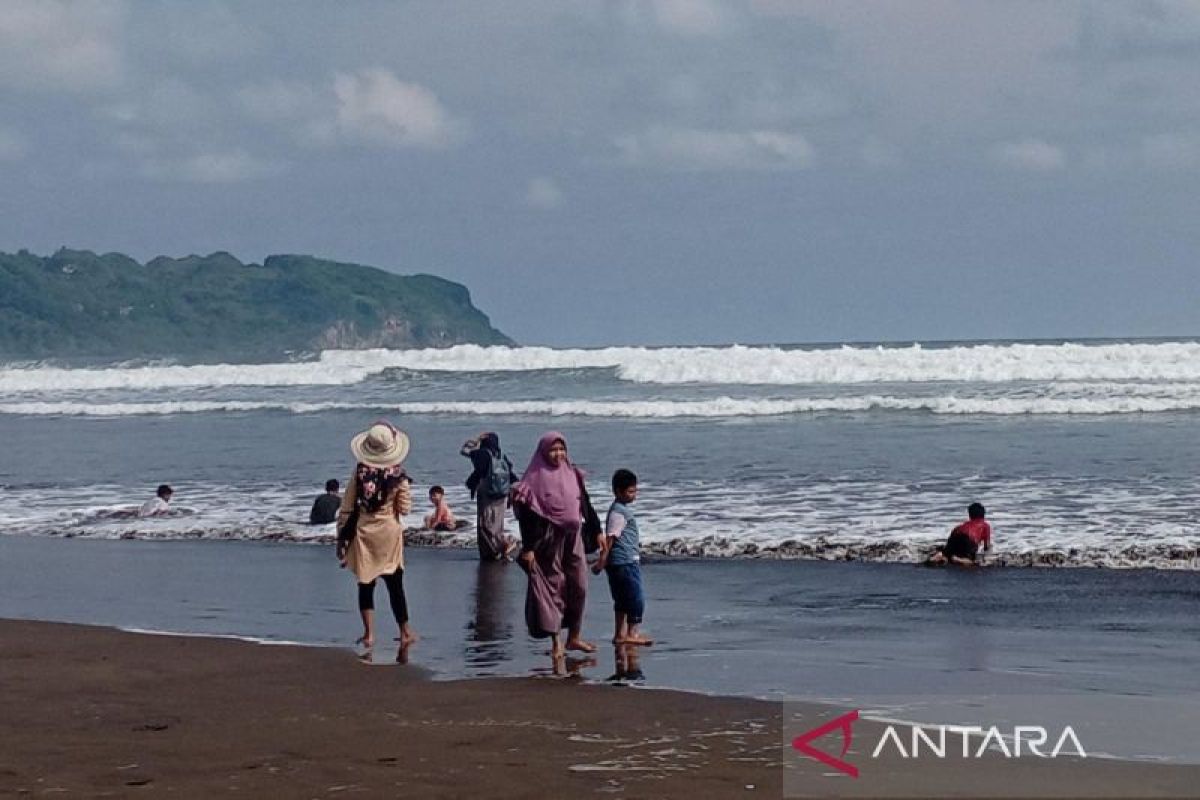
(489, 484)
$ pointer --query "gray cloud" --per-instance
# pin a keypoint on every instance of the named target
(757, 169)
(544, 193)
(55, 45)
(1030, 154)
(691, 149)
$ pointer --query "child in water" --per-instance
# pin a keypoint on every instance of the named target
(620, 557)
(963, 546)
(442, 519)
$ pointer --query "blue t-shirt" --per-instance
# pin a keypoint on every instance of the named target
(627, 546)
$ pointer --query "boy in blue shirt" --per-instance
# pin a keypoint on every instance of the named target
(620, 557)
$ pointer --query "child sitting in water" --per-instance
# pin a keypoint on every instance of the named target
(442, 519)
(962, 548)
(620, 554)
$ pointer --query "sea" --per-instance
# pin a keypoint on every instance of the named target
(788, 494)
(1085, 453)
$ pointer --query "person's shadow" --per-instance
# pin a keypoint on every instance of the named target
(489, 633)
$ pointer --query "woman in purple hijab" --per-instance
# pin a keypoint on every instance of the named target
(548, 504)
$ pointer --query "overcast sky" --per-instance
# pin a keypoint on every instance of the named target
(679, 171)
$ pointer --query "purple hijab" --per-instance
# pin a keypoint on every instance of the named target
(552, 492)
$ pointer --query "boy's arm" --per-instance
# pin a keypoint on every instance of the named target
(602, 559)
(613, 525)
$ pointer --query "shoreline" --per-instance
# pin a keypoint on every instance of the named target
(1176, 558)
(298, 720)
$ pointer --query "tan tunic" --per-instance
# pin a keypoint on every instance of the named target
(378, 549)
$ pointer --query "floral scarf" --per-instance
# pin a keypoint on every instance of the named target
(375, 485)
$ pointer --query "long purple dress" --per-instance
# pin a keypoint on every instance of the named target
(558, 576)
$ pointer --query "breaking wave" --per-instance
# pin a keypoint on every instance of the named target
(1044, 523)
(1188, 399)
(740, 365)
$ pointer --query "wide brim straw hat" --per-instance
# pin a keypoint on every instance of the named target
(381, 445)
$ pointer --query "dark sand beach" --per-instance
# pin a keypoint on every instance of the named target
(97, 712)
(767, 650)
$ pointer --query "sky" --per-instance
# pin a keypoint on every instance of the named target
(655, 172)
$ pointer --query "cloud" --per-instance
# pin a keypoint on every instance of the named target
(879, 154)
(47, 44)
(543, 193)
(232, 166)
(691, 17)
(1131, 31)
(694, 149)
(682, 18)
(376, 107)
(12, 145)
(1171, 151)
(1030, 155)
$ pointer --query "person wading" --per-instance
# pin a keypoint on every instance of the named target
(370, 525)
(490, 483)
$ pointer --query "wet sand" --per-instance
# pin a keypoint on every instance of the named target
(93, 711)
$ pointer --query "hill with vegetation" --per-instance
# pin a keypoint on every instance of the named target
(76, 303)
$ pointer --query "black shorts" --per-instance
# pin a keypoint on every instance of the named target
(960, 545)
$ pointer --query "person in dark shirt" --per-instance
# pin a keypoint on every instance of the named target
(325, 507)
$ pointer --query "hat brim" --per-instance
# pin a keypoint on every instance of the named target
(388, 459)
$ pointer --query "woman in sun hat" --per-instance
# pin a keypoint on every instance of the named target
(379, 491)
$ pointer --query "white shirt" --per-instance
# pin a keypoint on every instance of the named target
(153, 507)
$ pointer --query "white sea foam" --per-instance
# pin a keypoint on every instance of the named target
(1139, 522)
(58, 379)
(983, 363)
(720, 407)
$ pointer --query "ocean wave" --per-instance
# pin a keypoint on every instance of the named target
(720, 407)
(1164, 556)
(1037, 521)
(736, 364)
(741, 365)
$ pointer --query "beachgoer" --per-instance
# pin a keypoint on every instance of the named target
(325, 507)
(963, 545)
(620, 558)
(379, 491)
(159, 504)
(489, 484)
(548, 502)
(442, 518)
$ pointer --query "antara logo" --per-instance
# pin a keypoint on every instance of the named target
(934, 741)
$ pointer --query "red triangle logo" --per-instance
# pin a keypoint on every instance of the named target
(842, 723)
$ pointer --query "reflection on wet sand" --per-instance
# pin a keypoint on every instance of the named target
(490, 632)
(627, 658)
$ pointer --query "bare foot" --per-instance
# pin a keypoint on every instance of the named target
(406, 638)
(580, 645)
(365, 641)
(638, 638)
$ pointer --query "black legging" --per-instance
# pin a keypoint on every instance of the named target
(395, 587)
